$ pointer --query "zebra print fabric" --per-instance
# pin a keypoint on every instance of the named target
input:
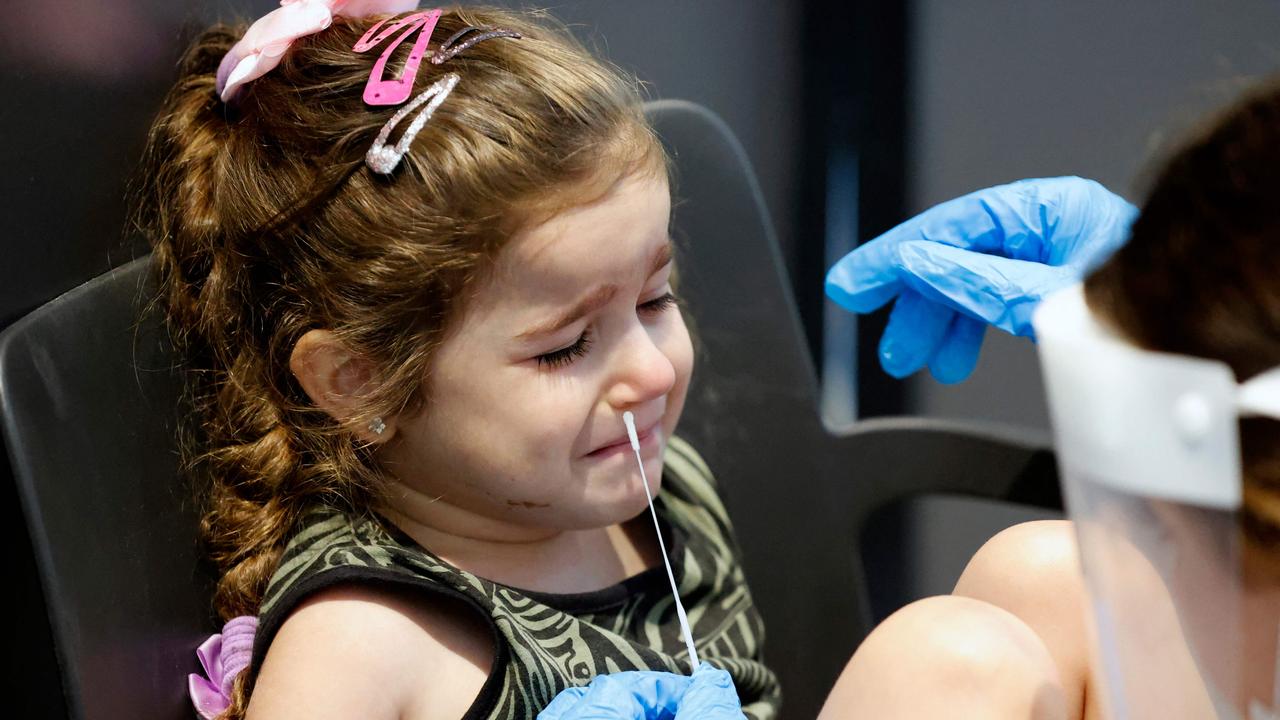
(546, 642)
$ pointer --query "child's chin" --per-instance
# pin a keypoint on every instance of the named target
(622, 507)
(637, 500)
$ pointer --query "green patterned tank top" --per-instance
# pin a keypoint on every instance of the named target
(544, 642)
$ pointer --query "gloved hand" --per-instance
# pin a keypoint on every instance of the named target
(985, 258)
(711, 696)
(648, 695)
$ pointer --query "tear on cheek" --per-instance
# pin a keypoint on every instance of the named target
(527, 505)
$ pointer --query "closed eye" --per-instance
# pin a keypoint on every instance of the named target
(659, 304)
(565, 355)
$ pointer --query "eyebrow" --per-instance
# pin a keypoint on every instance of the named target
(597, 298)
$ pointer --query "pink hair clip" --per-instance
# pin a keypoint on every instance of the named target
(267, 39)
(381, 157)
(393, 92)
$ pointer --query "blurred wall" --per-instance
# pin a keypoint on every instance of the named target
(1003, 90)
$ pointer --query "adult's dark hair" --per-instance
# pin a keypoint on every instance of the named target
(1201, 276)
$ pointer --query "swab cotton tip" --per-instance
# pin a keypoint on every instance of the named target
(629, 420)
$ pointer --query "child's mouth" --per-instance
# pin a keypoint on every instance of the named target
(648, 440)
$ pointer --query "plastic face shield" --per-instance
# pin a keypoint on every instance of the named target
(1148, 448)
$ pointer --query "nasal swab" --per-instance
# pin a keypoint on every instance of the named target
(630, 421)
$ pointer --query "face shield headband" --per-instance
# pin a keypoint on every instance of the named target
(1155, 424)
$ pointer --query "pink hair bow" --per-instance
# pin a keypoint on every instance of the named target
(267, 39)
(223, 657)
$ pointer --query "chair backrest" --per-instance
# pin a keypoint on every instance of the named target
(799, 494)
(89, 398)
(752, 410)
(88, 401)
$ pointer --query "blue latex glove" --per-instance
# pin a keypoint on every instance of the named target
(647, 695)
(985, 258)
(711, 696)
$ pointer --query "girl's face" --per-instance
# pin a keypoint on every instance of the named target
(575, 325)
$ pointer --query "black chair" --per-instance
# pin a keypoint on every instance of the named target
(89, 401)
(802, 496)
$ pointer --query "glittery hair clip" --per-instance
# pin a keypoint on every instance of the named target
(381, 157)
(448, 49)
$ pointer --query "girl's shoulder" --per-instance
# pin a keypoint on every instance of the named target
(352, 614)
(359, 561)
(329, 539)
(358, 651)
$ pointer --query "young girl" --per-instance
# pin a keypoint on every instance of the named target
(419, 267)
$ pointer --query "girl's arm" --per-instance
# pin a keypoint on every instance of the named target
(376, 654)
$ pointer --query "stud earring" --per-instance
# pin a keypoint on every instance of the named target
(377, 426)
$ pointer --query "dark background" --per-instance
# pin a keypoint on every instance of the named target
(932, 98)
(82, 78)
(1006, 90)
(854, 115)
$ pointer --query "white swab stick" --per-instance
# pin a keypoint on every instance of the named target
(630, 420)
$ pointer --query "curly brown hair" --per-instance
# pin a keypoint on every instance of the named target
(1201, 276)
(265, 223)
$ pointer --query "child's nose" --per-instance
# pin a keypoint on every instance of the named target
(643, 371)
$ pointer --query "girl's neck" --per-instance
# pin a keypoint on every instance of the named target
(538, 559)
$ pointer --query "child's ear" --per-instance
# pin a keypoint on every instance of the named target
(335, 379)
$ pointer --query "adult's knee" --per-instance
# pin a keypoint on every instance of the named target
(1038, 558)
(1033, 571)
(949, 657)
